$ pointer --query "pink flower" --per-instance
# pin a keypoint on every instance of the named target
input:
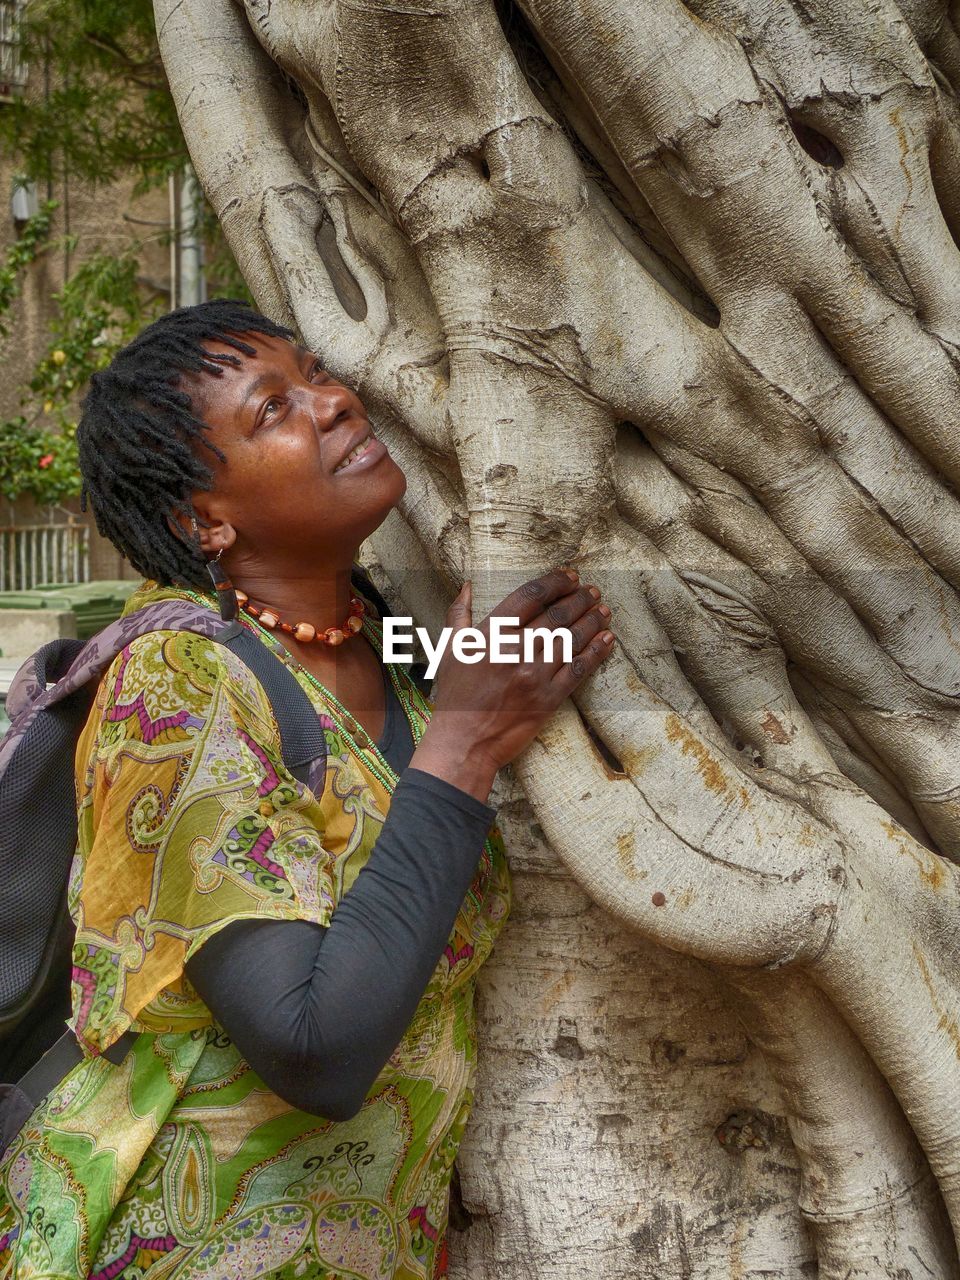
(45, 460)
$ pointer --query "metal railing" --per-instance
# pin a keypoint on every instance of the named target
(32, 554)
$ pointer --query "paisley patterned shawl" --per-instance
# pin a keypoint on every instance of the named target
(181, 1162)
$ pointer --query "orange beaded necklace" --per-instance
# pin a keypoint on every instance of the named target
(305, 632)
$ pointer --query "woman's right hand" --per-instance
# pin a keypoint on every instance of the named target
(485, 713)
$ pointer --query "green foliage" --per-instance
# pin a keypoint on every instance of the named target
(97, 108)
(23, 251)
(37, 461)
(100, 308)
(97, 104)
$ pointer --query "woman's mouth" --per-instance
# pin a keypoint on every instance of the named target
(368, 448)
(354, 453)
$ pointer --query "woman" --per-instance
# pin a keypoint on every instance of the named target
(294, 1101)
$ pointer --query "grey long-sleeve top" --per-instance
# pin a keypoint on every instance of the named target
(340, 997)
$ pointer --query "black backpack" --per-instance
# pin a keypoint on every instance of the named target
(48, 705)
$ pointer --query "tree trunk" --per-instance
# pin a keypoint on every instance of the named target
(669, 291)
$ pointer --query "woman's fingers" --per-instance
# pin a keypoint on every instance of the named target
(590, 625)
(567, 608)
(572, 674)
(565, 611)
(460, 613)
(577, 613)
(534, 597)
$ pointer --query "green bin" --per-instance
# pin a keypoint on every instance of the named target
(94, 604)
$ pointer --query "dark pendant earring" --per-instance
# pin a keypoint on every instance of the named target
(226, 595)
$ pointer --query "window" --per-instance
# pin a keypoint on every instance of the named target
(13, 70)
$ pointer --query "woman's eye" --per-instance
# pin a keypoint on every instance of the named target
(270, 408)
(317, 369)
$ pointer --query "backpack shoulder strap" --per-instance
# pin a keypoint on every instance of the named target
(301, 737)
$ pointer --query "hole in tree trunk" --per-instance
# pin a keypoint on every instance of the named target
(817, 145)
(632, 428)
(478, 162)
(344, 283)
(295, 91)
(460, 1217)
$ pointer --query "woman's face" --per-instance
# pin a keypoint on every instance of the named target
(303, 473)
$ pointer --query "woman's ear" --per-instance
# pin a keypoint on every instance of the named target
(211, 536)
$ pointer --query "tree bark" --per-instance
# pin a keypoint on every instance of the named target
(668, 291)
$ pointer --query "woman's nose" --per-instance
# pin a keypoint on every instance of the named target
(331, 402)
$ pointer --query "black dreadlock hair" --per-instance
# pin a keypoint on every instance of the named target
(137, 429)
